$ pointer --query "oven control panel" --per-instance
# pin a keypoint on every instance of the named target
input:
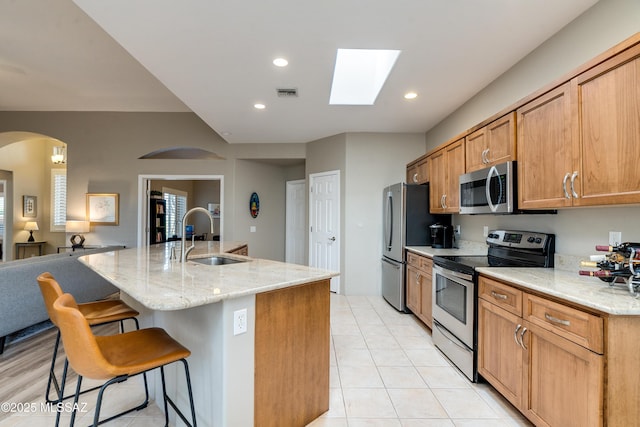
(519, 239)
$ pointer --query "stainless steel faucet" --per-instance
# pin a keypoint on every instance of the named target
(183, 248)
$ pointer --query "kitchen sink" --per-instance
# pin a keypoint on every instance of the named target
(217, 260)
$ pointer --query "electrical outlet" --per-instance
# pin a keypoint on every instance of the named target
(252, 229)
(615, 238)
(485, 230)
(240, 321)
(456, 228)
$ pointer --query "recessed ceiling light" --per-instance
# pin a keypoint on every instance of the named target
(259, 106)
(410, 95)
(280, 62)
(359, 74)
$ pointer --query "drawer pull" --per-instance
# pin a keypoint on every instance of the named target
(498, 296)
(552, 319)
(515, 334)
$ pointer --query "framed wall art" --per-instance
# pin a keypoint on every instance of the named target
(29, 206)
(102, 208)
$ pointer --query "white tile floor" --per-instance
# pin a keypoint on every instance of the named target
(385, 372)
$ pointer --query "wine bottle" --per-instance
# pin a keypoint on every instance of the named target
(606, 264)
(605, 273)
(625, 249)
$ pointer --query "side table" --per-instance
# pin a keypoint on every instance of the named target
(26, 245)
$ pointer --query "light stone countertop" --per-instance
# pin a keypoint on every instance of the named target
(148, 275)
(562, 281)
(568, 285)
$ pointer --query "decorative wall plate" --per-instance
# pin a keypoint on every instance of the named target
(254, 205)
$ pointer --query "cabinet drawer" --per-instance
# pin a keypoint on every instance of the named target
(582, 328)
(418, 261)
(501, 295)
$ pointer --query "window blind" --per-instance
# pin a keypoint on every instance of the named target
(58, 199)
(176, 208)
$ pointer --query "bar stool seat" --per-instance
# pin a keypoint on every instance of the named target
(116, 357)
(96, 313)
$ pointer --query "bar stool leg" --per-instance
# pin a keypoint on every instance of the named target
(52, 375)
(76, 397)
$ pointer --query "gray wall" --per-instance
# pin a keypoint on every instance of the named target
(607, 23)
(103, 151)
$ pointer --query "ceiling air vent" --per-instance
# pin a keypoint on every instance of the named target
(287, 93)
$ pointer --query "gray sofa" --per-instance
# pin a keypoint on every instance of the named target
(21, 304)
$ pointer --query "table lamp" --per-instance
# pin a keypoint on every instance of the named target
(31, 226)
(77, 228)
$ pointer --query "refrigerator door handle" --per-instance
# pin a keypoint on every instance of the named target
(395, 265)
(389, 223)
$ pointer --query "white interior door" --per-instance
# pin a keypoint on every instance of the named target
(324, 222)
(295, 222)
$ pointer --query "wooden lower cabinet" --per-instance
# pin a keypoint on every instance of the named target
(565, 385)
(419, 283)
(500, 357)
(552, 380)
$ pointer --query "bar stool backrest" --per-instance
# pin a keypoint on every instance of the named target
(51, 291)
(80, 343)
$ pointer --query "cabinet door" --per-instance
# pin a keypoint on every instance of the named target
(500, 357)
(413, 289)
(501, 138)
(437, 181)
(566, 381)
(608, 116)
(455, 166)
(418, 172)
(476, 147)
(492, 144)
(426, 299)
(545, 152)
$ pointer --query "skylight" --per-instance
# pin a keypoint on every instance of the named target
(359, 74)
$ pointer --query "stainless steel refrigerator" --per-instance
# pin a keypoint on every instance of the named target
(406, 221)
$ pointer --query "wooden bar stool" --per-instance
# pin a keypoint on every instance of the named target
(96, 313)
(117, 357)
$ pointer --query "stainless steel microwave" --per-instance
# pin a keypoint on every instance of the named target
(490, 190)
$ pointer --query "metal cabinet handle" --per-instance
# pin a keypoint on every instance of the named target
(415, 177)
(498, 296)
(524, 330)
(443, 201)
(564, 186)
(417, 277)
(486, 156)
(484, 159)
(552, 319)
(515, 334)
(573, 180)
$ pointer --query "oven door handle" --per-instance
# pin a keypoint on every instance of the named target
(450, 274)
(448, 335)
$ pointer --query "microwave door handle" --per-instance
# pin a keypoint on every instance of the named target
(487, 188)
(389, 223)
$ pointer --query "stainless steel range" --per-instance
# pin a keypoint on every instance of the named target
(455, 295)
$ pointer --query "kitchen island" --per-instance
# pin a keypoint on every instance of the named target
(274, 374)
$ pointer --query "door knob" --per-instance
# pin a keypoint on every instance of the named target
(333, 239)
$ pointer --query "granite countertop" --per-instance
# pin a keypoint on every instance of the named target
(150, 276)
(561, 282)
(568, 285)
(466, 248)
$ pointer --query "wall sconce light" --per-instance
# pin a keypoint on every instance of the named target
(31, 226)
(77, 228)
(59, 155)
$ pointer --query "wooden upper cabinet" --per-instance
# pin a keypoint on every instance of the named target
(417, 171)
(578, 144)
(608, 118)
(445, 167)
(491, 144)
(545, 151)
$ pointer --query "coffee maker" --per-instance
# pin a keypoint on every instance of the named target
(441, 235)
